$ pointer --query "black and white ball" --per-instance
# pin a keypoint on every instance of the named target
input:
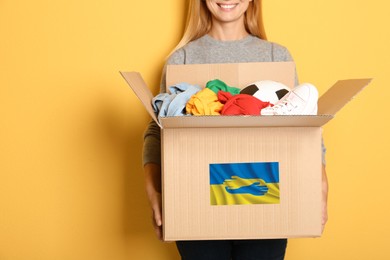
(266, 90)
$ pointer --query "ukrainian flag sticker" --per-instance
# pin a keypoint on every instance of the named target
(244, 183)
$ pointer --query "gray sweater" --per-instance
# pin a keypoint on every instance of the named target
(209, 50)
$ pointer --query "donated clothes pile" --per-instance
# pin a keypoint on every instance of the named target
(264, 97)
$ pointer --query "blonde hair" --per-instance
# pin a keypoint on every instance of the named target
(199, 21)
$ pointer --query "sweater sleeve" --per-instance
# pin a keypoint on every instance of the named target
(280, 53)
(151, 151)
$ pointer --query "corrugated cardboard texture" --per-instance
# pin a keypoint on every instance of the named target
(187, 154)
(244, 121)
(340, 94)
(233, 74)
(190, 144)
(138, 85)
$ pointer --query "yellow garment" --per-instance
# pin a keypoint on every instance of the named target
(205, 102)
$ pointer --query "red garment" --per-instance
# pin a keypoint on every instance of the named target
(240, 104)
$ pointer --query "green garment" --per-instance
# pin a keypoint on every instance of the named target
(217, 85)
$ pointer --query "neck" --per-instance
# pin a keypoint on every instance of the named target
(228, 32)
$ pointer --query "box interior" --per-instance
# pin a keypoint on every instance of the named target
(240, 75)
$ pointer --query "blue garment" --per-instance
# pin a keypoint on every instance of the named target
(174, 103)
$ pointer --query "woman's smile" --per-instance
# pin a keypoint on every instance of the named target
(227, 7)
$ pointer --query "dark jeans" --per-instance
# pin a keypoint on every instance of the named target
(265, 249)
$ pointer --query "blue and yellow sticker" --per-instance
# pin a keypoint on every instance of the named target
(244, 183)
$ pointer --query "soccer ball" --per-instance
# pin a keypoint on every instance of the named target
(266, 90)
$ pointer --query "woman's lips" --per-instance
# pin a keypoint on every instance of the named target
(227, 6)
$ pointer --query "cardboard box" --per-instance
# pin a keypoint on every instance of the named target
(197, 205)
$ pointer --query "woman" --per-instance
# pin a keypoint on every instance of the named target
(218, 31)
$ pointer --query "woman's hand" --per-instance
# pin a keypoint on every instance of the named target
(155, 202)
(153, 190)
(324, 198)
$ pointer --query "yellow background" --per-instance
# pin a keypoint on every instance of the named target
(71, 181)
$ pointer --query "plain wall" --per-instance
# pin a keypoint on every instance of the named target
(71, 180)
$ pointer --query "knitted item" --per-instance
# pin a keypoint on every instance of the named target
(217, 85)
(241, 104)
(205, 102)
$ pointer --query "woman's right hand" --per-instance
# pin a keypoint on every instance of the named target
(155, 202)
(153, 190)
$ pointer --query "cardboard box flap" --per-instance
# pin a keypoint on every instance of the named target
(340, 94)
(244, 121)
(237, 75)
(136, 82)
